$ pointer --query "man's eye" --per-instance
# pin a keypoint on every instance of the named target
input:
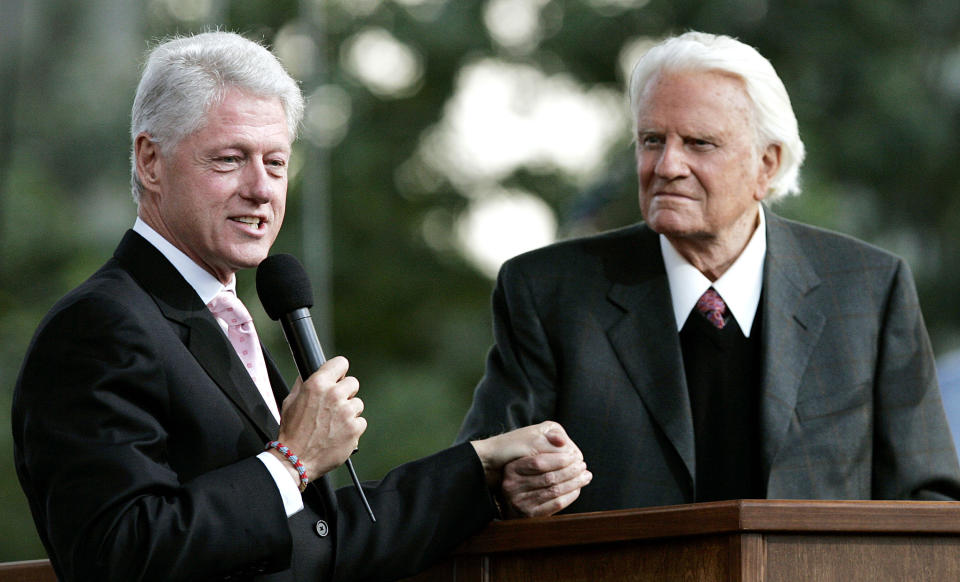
(650, 141)
(277, 167)
(701, 144)
(226, 162)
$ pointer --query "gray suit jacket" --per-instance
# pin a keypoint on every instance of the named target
(850, 407)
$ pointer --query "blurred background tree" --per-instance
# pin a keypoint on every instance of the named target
(443, 136)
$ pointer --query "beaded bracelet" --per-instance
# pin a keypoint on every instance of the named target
(294, 460)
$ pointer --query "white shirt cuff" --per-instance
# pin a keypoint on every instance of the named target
(289, 492)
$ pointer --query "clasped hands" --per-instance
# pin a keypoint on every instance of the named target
(538, 468)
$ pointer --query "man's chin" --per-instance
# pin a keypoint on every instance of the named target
(672, 226)
(249, 259)
(250, 253)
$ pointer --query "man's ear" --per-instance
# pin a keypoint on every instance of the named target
(149, 164)
(770, 159)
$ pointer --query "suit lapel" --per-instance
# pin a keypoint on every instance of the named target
(645, 339)
(279, 385)
(199, 330)
(792, 325)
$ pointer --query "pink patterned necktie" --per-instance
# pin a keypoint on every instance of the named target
(230, 312)
(711, 306)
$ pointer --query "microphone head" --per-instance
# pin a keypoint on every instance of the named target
(283, 285)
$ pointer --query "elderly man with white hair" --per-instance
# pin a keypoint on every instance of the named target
(715, 350)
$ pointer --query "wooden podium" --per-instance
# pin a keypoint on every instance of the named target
(727, 541)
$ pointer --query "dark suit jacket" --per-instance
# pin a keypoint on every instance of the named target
(135, 434)
(850, 408)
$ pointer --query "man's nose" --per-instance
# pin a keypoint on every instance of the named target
(672, 161)
(260, 185)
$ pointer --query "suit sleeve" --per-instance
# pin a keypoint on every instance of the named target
(914, 456)
(424, 509)
(519, 384)
(92, 423)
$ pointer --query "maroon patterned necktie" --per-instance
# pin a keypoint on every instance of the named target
(711, 306)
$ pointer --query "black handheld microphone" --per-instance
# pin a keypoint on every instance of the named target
(286, 294)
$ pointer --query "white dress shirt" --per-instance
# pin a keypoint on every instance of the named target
(739, 286)
(207, 287)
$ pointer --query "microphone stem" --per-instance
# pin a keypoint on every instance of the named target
(356, 484)
(308, 354)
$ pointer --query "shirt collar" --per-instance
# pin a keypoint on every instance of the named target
(739, 286)
(206, 285)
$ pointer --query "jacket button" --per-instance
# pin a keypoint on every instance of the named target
(322, 529)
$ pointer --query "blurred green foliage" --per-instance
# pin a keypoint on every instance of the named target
(875, 84)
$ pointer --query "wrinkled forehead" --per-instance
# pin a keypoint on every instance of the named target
(700, 101)
(242, 120)
(696, 81)
(684, 90)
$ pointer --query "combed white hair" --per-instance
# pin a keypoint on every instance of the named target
(185, 76)
(773, 116)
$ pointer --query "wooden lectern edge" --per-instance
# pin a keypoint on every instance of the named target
(720, 517)
(24, 565)
(27, 571)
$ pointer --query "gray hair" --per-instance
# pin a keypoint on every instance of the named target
(185, 76)
(773, 117)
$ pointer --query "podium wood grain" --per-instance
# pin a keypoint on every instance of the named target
(27, 571)
(729, 541)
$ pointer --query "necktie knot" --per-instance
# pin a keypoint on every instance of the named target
(228, 307)
(711, 306)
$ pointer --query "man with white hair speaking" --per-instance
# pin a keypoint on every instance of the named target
(718, 351)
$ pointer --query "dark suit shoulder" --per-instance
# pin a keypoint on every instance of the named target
(108, 294)
(85, 323)
(99, 321)
(627, 252)
(111, 279)
(831, 251)
(138, 280)
(606, 241)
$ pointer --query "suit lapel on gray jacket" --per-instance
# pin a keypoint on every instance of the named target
(792, 325)
(198, 328)
(646, 341)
